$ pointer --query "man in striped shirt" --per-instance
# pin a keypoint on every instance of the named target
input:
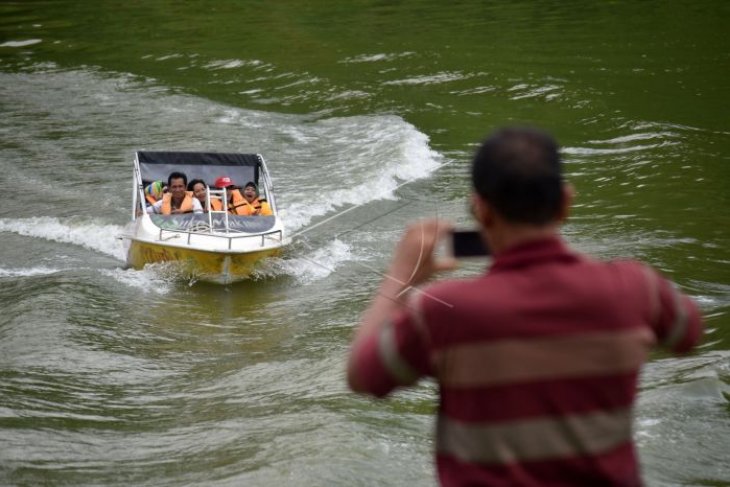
(537, 360)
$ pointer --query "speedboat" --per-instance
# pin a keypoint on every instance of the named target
(216, 245)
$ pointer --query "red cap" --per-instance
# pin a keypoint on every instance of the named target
(223, 182)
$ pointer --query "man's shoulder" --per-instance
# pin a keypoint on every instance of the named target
(451, 290)
(583, 262)
(496, 289)
(622, 266)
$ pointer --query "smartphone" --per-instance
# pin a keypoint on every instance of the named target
(468, 243)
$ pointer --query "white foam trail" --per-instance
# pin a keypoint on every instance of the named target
(349, 95)
(387, 153)
(588, 151)
(372, 58)
(232, 63)
(147, 279)
(549, 92)
(433, 79)
(317, 265)
(639, 136)
(94, 236)
(28, 42)
(29, 272)
(639, 140)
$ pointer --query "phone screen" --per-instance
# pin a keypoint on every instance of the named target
(468, 243)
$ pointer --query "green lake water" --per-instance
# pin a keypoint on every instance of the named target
(111, 376)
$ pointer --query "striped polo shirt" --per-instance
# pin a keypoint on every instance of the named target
(537, 363)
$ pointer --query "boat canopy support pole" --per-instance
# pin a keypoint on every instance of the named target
(224, 211)
(136, 189)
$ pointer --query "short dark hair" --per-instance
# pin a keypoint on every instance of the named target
(518, 171)
(192, 183)
(177, 175)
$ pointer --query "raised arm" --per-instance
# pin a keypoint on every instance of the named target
(412, 264)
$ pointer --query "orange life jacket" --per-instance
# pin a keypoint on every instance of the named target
(150, 199)
(186, 206)
(236, 206)
(255, 207)
(216, 204)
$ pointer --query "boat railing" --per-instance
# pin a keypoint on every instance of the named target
(167, 235)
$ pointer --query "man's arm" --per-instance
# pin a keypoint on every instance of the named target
(413, 263)
(156, 208)
(677, 319)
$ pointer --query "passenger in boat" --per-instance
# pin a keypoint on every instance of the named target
(153, 192)
(252, 204)
(199, 190)
(177, 200)
(235, 198)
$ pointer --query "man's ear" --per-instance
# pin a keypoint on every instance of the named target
(568, 195)
(481, 210)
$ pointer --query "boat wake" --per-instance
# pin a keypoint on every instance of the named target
(322, 165)
(28, 271)
(90, 234)
(103, 238)
(149, 279)
(316, 265)
(356, 160)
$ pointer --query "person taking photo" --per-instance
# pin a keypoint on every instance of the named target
(537, 360)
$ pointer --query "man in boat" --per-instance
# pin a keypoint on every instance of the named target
(246, 204)
(177, 200)
(253, 205)
(537, 361)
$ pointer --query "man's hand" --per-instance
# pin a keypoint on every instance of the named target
(414, 261)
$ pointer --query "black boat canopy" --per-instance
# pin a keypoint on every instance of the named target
(208, 166)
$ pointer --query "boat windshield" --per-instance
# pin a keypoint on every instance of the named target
(198, 222)
(241, 168)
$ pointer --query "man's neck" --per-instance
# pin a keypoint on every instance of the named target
(177, 201)
(504, 235)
